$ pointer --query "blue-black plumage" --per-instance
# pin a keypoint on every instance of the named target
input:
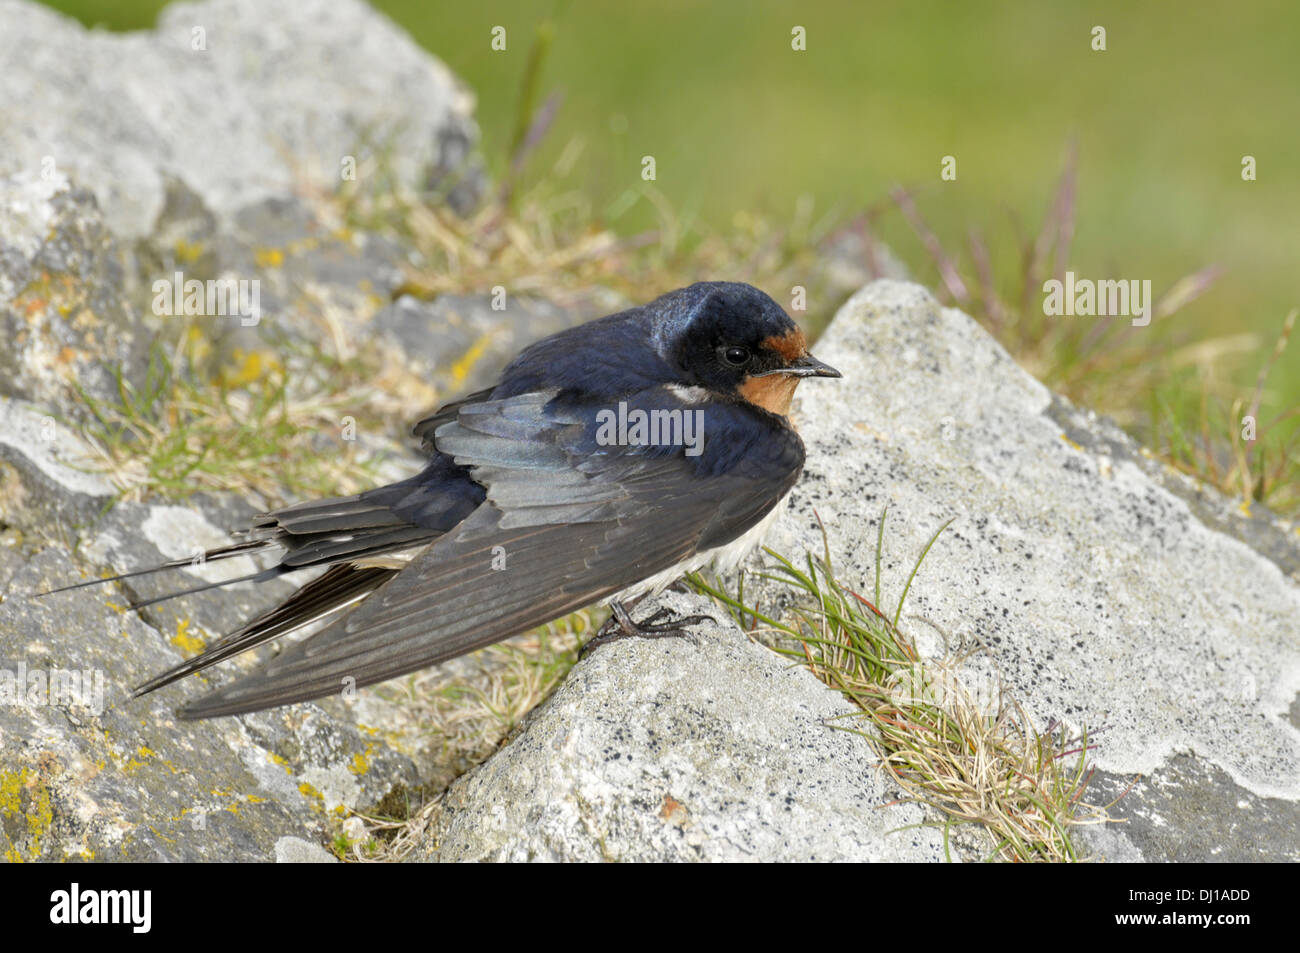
(607, 461)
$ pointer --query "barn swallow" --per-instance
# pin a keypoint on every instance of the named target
(609, 460)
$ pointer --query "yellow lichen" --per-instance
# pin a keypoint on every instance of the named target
(11, 785)
(248, 367)
(360, 762)
(187, 252)
(184, 641)
(460, 370)
(268, 257)
(38, 814)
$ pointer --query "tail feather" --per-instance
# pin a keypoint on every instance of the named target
(346, 536)
(336, 589)
(334, 548)
(262, 575)
(347, 514)
(246, 548)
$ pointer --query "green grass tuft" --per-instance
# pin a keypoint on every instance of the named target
(251, 433)
(979, 761)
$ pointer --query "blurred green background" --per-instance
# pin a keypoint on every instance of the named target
(738, 122)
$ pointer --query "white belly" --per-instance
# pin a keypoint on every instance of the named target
(721, 558)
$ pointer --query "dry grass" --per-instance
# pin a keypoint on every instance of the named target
(552, 243)
(179, 433)
(268, 427)
(976, 759)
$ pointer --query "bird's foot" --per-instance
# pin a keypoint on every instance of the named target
(620, 626)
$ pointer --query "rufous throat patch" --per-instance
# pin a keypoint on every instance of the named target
(772, 392)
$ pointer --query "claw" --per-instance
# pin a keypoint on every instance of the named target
(620, 626)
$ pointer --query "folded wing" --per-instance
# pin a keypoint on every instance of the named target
(567, 522)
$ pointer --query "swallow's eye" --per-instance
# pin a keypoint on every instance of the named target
(736, 356)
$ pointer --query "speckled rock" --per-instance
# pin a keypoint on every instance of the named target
(295, 850)
(89, 773)
(460, 342)
(239, 100)
(1088, 571)
(65, 318)
(717, 750)
(48, 477)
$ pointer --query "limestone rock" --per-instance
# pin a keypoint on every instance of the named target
(241, 101)
(1104, 587)
(65, 317)
(667, 750)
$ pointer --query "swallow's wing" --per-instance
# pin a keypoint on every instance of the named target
(567, 522)
(426, 428)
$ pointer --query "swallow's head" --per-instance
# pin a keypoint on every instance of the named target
(732, 339)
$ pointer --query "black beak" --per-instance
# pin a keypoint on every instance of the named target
(806, 366)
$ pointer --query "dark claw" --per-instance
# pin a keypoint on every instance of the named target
(620, 626)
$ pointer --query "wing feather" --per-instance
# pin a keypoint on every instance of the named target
(575, 523)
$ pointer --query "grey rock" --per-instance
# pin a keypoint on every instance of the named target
(89, 773)
(283, 94)
(49, 482)
(1272, 536)
(458, 342)
(1103, 598)
(138, 535)
(1190, 810)
(313, 277)
(241, 101)
(1108, 842)
(64, 317)
(666, 750)
(295, 850)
